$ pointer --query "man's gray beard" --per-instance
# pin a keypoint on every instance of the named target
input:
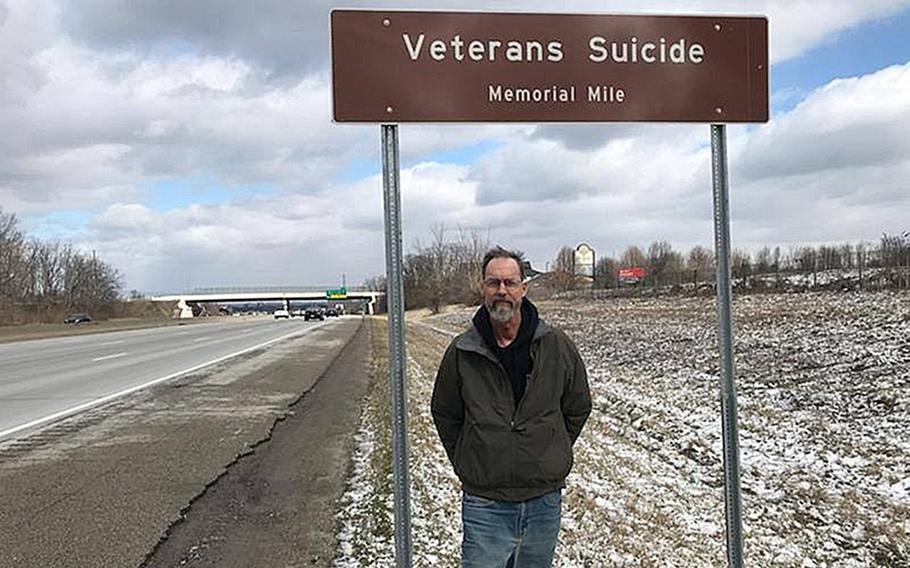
(500, 312)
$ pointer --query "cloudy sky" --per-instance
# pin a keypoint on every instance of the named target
(191, 144)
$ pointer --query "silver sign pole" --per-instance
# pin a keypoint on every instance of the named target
(732, 499)
(395, 296)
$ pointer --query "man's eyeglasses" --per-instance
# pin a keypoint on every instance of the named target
(495, 283)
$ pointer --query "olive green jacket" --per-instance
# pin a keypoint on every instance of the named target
(499, 450)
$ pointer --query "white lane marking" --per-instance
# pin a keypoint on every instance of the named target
(106, 357)
(113, 342)
(110, 397)
(202, 339)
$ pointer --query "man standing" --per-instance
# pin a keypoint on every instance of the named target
(510, 399)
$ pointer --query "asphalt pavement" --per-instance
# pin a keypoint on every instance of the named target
(43, 380)
(175, 473)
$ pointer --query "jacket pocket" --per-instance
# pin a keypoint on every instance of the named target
(547, 453)
(483, 456)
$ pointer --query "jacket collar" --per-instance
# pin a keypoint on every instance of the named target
(471, 340)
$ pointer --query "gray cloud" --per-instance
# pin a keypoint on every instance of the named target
(283, 40)
(586, 136)
(280, 37)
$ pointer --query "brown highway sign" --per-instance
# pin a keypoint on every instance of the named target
(401, 66)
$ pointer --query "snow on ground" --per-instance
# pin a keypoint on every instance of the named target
(824, 418)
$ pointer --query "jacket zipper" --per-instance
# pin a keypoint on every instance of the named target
(529, 378)
(515, 407)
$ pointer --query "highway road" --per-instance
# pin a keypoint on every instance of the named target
(43, 380)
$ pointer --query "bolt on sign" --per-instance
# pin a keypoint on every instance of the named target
(397, 66)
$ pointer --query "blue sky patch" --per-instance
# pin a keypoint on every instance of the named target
(360, 168)
(462, 155)
(169, 194)
(64, 226)
(857, 51)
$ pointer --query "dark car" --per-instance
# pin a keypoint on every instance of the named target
(313, 313)
(331, 313)
(77, 319)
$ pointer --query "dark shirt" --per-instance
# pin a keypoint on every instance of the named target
(516, 356)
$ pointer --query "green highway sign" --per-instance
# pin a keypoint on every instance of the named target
(339, 294)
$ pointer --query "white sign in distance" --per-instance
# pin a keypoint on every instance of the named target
(584, 260)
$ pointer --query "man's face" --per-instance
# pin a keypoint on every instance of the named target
(503, 289)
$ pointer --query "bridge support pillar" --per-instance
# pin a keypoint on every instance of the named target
(185, 310)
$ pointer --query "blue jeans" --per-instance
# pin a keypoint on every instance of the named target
(503, 534)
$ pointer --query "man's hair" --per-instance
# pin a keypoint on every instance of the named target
(499, 252)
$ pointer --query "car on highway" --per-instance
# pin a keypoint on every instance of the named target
(77, 319)
(314, 313)
(282, 314)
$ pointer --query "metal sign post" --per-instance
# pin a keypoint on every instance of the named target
(732, 500)
(407, 66)
(395, 295)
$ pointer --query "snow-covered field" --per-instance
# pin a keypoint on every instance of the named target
(824, 403)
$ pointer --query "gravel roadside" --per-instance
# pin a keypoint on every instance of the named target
(109, 487)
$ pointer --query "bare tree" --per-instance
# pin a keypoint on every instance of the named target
(445, 272)
(895, 255)
(467, 257)
(763, 260)
(740, 263)
(700, 262)
(563, 271)
(861, 260)
(606, 273)
(660, 259)
(633, 257)
(847, 259)
(12, 246)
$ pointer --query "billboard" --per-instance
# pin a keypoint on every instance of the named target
(633, 274)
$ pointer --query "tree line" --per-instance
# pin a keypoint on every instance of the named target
(885, 264)
(446, 270)
(42, 281)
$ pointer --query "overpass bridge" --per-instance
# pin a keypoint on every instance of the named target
(284, 294)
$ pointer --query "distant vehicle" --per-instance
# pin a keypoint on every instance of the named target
(332, 313)
(77, 319)
(282, 314)
(314, 313)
